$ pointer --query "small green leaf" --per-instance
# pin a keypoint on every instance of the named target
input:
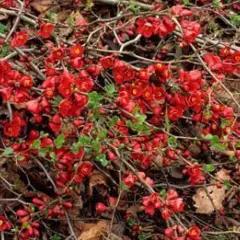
(110, 90)
(52, 15)
(8, 151)
(55, 237)
(209, 168)
(25, 225)
(172, 142)
(225, 123)
(59, 141)
(4, 50)
(36, 144)
(93, 100)
(20, 158)
(163, 193)
(233, 159)
(101, 158)
(218, 146)
(185, 2)
(102, 134)
(43, 152)
(3, 28)
(123, 186)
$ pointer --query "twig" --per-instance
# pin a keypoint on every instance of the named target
(33, 66)
(10, 111)
(214, 76)
(22, 17)
(136, 39)
(134, 3)
(47, 174)
(70, 227)
(17, 20)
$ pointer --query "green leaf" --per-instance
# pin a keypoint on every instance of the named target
(185, 2)
(102, 134)
(172, 142)
(55, 237)
(52, 15)
(53, 156)
(25, 225)
(225, 123)
(163, 193)
(43, 152)
(71, 21)
(84, 140)
(110, 90)
(123, 186)
(218, 146)
(226, 183)
(89, 4)
(4, 50)
(101, 158)
(209, 168)
(96, 146)
(36, 144)
(59, 141)
(93, 100)
(8, 151)
(3, 28)
(217, 3)
(20, 158)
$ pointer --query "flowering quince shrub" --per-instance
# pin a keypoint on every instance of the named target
(119, 115)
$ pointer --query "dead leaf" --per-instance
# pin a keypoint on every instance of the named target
(97, 178)
(134, 209)
(42, 5)
(222, 175)
(94, 231)
(204, 204)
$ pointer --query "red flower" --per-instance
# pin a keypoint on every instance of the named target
(194, 233)
(46, 30)
(13, 128)
(100, 208)
(58, 54)
(190, 30)
(165, 27)
(144, 28)
(236, 57)
(76, 63)
(129, 179)
(76, 51)
(107, 62)
(174, 113)
(26, 81)
(66, 108)
(144, 75)
(195, 173)
(4, 224)
(85, 169)
(19, 39)
(151, 203)
(214, 62)
(5, 67)
(179, 11)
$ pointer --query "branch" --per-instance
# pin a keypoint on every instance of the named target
(134, 3)
(17, 20)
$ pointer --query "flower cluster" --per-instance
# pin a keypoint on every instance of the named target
(171, 203)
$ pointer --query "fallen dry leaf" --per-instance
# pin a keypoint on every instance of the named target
(223, 174)
(42, 5)
(94, 231)
(97, 178)
(203, 202)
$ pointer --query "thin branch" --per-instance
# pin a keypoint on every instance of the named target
(17, 20)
